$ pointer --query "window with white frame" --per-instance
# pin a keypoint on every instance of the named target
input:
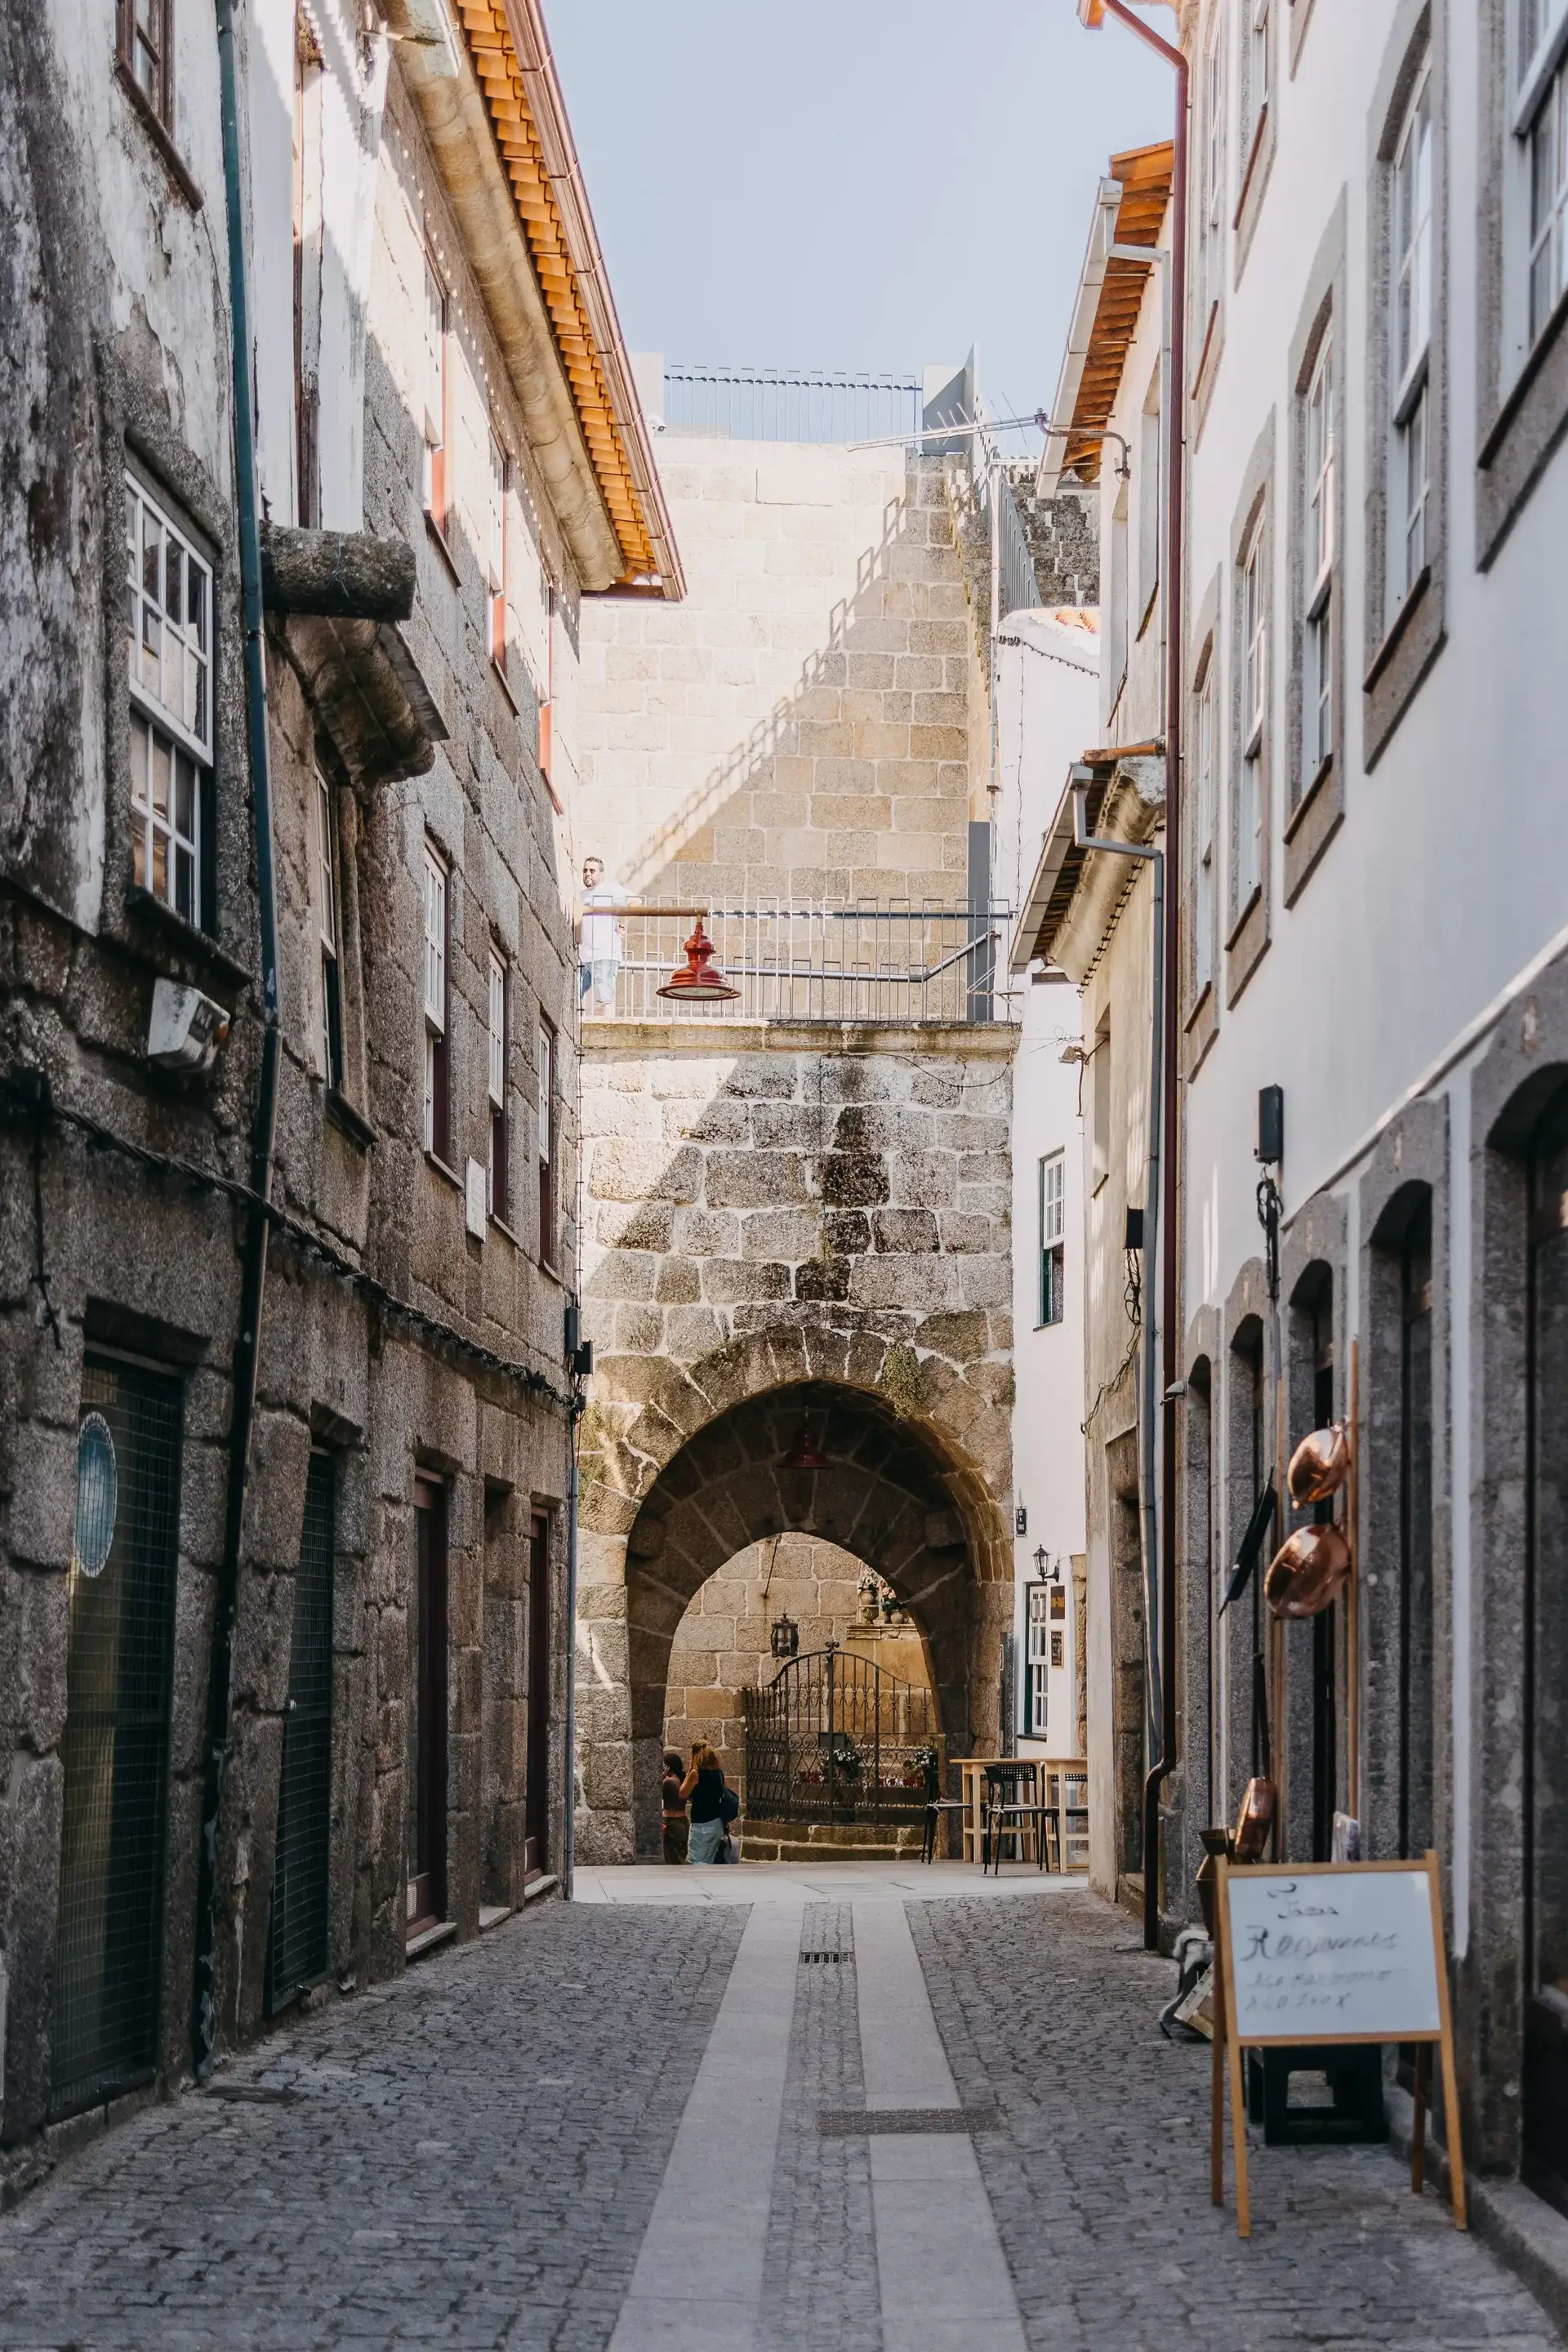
(501, 1136)
(1204, 831)
(1258, 29)
(329, 1004)
(1546, 135)
(1253, 703)
(437, 1056)
(547, 1085)
(495, 549)
(1037, 1661)
(1211, 223)
(438, 487)
(1053, 1237)
(1410, 341)
(1318, 566)
(169, 608)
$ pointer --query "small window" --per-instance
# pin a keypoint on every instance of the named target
(1037, 1659)
(329, 1012)
(547, 1143)
(1204, 832)
(1259, 12)
(1254, 700)
(1053, 1237)
(1100, 1085)
(1211, 225)
(1548, 142)
(1410, 341)
(438, 485)
(495, 549)
(145, 32)
(499, 1154)
(1318, 638)
(169, 648)
(437, 1042)
(307, 161)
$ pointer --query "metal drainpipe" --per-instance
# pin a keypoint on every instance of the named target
(569, 1832)
(253, 1284)
(1083, 839)
(1170, 1268)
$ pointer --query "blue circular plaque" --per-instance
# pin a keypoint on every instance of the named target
(97, 1493)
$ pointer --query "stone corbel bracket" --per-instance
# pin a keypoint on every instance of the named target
(336, 599)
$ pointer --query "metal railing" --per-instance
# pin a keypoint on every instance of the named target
(824, 404)
(899, 965)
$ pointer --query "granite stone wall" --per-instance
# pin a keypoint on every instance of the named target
(769, 1211)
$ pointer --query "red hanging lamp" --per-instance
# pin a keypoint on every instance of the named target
(803, 1453)
(698, 979)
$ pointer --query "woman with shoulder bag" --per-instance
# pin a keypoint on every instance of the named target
(729, 1813)
(704, 1786)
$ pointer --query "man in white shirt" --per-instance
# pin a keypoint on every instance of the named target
(600, 949)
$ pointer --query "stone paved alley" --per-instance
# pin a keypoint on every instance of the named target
(632, 2122)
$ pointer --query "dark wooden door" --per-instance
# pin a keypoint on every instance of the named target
(1545, 2068)
(300, 1887)
(427, 1714)
(536, 1792)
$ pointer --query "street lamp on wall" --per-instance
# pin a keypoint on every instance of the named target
(783, 1637)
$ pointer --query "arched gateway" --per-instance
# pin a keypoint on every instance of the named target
(781, 1230)
(896, 1488)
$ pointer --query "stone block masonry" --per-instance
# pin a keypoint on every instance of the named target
(807, 724)
(780, 1222)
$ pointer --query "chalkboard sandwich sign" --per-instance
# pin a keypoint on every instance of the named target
(1330, 1952)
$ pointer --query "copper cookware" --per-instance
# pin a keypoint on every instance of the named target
(1310, 1569)
(1254, 1819)
(1319, 1466)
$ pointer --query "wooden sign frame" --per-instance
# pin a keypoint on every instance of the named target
(1229, 2041)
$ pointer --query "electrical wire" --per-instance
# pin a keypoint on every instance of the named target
(26, 1094)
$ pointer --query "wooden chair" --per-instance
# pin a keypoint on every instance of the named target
(936, 1804)
(1013, 1809)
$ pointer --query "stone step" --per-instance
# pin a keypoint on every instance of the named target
(828, 1841)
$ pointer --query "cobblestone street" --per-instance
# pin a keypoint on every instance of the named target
(635, 2120)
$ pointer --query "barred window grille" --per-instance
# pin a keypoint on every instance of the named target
(300, 1887)
(115, 1745)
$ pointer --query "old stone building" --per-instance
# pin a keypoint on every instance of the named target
(797, 1247)
(282, 1632)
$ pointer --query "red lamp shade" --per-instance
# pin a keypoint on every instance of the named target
(804, 1455)
(698, 979)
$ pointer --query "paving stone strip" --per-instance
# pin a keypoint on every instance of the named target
(1098, 2179)
(468, 2158)
(819, 2277)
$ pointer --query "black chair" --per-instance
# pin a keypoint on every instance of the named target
(1013, 1809)
(936, 1804)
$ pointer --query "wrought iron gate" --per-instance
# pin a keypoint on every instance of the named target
(114, 1749)
(304, 1796)
(835, 1738)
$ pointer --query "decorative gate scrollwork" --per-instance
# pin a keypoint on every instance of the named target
(835, 1738)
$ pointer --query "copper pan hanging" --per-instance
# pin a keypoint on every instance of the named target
(1307, 1572)
(1319, 1466)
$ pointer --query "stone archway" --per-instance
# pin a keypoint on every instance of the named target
(899, 1490)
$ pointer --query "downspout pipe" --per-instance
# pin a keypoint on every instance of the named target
(253, 1279)
(1148, 1416)
(1175, 640)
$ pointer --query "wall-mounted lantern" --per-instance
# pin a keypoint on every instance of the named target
(783, 1637)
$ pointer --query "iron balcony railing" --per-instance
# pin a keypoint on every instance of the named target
(899, 965)
(824, 404)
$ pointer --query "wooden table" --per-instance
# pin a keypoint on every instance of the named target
(1052, 1770)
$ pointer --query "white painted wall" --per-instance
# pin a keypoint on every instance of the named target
(1048, 685)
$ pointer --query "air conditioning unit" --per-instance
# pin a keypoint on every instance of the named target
(186, 1028)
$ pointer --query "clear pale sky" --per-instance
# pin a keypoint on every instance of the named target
(857, 184)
